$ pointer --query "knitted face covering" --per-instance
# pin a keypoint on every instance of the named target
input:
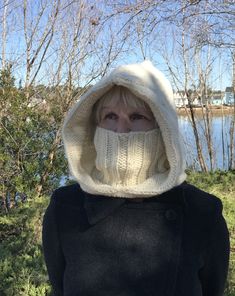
(126, 159)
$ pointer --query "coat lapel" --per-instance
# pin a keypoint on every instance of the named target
(98, 208)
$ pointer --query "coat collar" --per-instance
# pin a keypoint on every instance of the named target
(99, 207)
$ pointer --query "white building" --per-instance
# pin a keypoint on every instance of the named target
(229, 96)
(180, 99)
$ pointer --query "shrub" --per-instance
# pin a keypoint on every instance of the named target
(22, 269)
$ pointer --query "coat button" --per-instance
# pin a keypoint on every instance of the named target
(171, 215)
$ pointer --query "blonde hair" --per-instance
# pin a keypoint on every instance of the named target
(113, 96)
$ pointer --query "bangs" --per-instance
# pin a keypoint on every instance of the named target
(113, 96)
(123, 95)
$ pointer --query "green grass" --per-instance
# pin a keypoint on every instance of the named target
(22, 268)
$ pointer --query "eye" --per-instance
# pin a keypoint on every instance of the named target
(137, 116)
(110, 116)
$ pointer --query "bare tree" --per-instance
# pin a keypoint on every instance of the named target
(83, 54)
(37, 40)
(4, 32)
(64, 46)
(189, 36)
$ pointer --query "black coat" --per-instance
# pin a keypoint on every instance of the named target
(175, 244)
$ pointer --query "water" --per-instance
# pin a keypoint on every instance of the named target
(219, 125)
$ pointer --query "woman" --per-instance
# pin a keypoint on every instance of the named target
(131, 225)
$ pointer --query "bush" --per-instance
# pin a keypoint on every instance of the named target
(22, 269)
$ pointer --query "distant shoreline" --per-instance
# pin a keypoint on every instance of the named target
(217, 110)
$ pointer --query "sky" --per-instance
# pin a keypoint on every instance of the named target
(162, 46)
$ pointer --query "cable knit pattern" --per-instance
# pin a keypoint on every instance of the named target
(129, 158)
(149, 84)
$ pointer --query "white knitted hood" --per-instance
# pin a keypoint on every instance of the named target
(149, 84)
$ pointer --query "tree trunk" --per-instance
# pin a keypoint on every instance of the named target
(197, 139)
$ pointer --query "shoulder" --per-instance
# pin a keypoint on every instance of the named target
(203, 217)
(201, 202)
(68, 195)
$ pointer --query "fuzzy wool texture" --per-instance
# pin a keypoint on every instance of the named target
(150, 85)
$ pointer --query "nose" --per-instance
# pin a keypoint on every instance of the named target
(122, 126)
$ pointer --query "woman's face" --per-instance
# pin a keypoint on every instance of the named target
(123, 119)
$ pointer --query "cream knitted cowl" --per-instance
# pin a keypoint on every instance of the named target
(128, 159)
(131, 165)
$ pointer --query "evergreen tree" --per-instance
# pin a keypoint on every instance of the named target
(6, 78)
(27, 138)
